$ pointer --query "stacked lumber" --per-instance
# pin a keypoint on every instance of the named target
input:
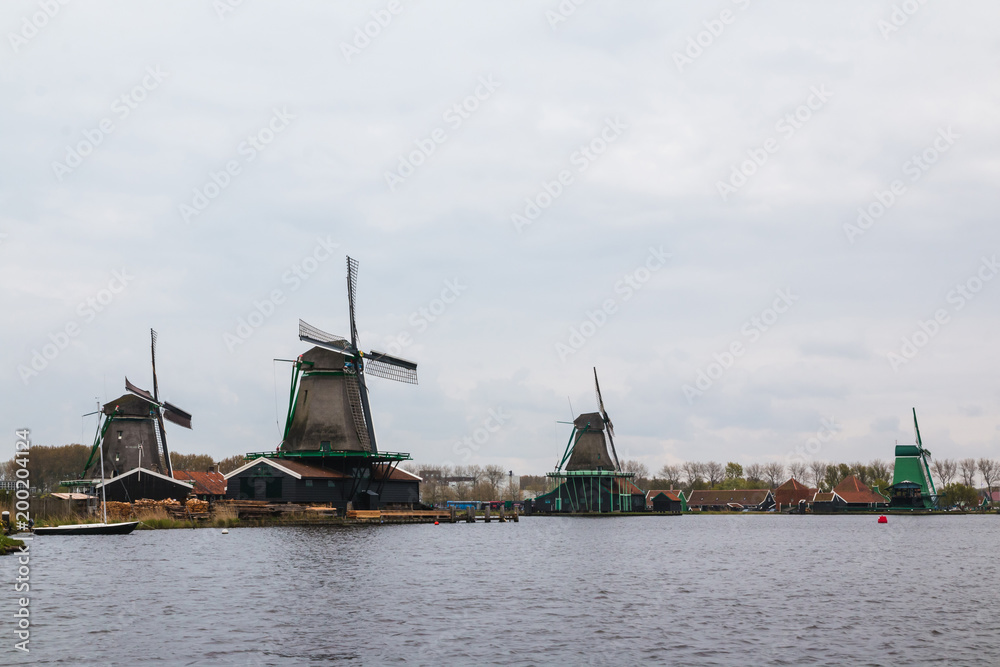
(364, 514)
(117, 512)
(195, 506)
(248, 508)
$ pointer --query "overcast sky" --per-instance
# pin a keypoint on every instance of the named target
(531, 192)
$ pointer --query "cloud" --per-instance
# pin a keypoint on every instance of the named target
(655, 185)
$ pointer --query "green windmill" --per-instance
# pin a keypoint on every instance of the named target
(912, 484)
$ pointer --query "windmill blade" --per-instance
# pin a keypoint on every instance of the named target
(352, 288)
(614, 452)
(152, 346)
(141, 393)
(176, 415)
(386, 366)
(600, 403)
(597, 386)
(917, 429)
(320, 338)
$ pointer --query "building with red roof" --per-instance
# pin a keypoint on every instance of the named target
(758, 500)
(662, 500)
(791, 493)
(850, 494)
(208, 485)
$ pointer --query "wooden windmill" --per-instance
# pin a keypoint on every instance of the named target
(329, 409)
(132, 431)
(589, 477)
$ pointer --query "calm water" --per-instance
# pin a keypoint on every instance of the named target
(686, 590)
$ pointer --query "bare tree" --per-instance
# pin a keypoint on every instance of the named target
(692, 472)
(474, 472)
(968, 468)
(671, 475)
(798, 470)
(714, 472)
(494, 475)
(755, 473)
(640, 469)
(989, 469)
(774, 473)
(880, 470)
(818, 470)
(945, 470)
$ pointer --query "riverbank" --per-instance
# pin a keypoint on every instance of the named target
(9, 545)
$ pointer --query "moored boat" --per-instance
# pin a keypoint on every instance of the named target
(123, 528)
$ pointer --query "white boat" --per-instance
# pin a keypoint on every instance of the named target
(103, 528)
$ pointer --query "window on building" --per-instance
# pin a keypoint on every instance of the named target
(273, 488)
(324, 446)
(330, 483)
(309, 482)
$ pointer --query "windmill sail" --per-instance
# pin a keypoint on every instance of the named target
(391, 368)
(329, 408)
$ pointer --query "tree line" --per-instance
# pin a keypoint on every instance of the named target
(472, 482)
(48, 465)
(954, 479)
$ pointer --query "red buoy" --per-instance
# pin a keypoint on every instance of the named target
(883, 519)
(435, 523)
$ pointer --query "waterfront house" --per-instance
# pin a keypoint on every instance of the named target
(284, 480)
(139, 483)
(857, 495)
(660, 500)
(756, 500)
(208, 485)
(791, 493)
(850, 494)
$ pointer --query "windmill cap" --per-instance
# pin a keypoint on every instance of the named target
(907, 450)
(593, 418)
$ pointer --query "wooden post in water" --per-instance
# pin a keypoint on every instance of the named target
(486, 513)
(454, 514)
(470, 515)
(515, 514)
(503, 517)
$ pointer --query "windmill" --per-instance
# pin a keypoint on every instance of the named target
(912, 484)
(588, 449)
(329, 408)
(589, 476)
(132, 431)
